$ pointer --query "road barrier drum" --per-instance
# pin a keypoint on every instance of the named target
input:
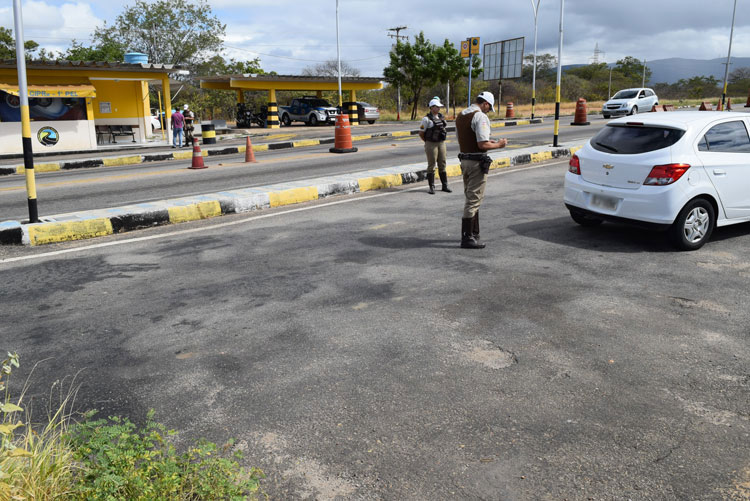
(509, 111)
(581, 113)
(209, 133)
(343, 136)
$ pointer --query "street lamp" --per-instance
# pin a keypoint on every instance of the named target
(338, 51)
(533, 78)
(729, 54)
(559, 77)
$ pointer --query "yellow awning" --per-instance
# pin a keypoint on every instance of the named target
(51, 91)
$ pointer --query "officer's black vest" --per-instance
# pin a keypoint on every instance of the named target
(437, 132)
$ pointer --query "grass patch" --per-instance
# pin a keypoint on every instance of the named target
(108, 459)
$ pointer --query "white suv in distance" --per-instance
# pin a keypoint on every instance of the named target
(684, 172)
(630, 102)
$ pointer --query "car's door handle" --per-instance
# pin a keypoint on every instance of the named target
(720, 172)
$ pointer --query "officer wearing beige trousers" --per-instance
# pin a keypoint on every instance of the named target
(473, 132)
(433, 133)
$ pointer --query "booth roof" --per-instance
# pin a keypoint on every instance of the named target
(92, 65)
(298, 78)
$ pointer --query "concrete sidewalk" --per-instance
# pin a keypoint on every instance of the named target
(101, 222)
(146, 154)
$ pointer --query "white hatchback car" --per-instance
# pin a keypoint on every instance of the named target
(685, 172)
(630, 102)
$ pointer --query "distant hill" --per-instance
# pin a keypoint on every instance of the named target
(673, 69)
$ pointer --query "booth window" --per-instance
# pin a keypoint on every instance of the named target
(44, 109)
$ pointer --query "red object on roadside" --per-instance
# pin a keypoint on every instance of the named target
(509, 111)
(249, 154)
(197, 156)
(581, 113)
(343, 137)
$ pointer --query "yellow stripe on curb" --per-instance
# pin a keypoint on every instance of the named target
(261, 147)
(542, 156)
(378, 182)
(453, 170)
(182, 155)
(113, 162)
(500, 163)
(49, 233)
(194, 212)
(20, 169)
(361, 138)
(401, 133)
(306, 142)
(293, 196)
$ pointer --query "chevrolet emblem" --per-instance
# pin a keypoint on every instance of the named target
(608, 166)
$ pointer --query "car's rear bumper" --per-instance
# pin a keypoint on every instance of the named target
(616, 219)
(652, 205)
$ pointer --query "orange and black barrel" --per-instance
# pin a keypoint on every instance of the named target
(581, 113)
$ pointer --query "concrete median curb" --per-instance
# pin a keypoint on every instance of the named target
(94, 223)
(116, 161)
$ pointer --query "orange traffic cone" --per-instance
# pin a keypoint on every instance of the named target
(249, 154)
(747, 105)
(509, 111)
(729, 104)
(581, 113)
(343, 137)
(197, 156)
(719, 107)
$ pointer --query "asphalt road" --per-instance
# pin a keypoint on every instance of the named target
(355, 352)
(83, 189)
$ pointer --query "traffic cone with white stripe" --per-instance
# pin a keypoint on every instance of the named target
(197, 156)
(249, 154)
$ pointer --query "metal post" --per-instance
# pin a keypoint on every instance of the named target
(729, 55)
(447, 98)
(559, 77)
(471, 60)
(23, 94)
(533, 78)
(338, 51)
(643, 81)
(398, 110)
(609, 88)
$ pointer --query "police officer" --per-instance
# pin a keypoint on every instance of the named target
(473, 132)
(189, 118)
(433, 133)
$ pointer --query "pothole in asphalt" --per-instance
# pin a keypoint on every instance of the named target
(486, 353)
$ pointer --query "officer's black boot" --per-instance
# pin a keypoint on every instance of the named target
(475, 227)
(431, 180)
(467, 237)
(444, 180)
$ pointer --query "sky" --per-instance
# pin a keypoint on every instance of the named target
(289, 35)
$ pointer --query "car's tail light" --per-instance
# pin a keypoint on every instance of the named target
(574, 165)
(662, 175)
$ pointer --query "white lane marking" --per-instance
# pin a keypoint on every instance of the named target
(250, 219)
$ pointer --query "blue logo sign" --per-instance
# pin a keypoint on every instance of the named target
(48, 136)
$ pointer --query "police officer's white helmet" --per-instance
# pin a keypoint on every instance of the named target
(487, 96)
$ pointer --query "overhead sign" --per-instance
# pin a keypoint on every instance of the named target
(503, 60)
(465, 48)
(474, 45)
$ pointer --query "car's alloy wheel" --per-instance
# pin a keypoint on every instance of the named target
(585, 219)
(694, 225)
(633, 110)
(313, 120)
(286, 121)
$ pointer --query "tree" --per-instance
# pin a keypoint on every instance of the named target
(180, 32)
(451, 68)
(110, 51)
(632, 70)
(413, 67)
(330, 68)
(8, 46)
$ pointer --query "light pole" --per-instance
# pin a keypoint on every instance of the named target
(559, 76)
(23, 95)
(609, 88)
(338, 51)
(729, 54)
(643, 80)
(533, 78)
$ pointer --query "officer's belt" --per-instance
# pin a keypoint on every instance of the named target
(472, 156)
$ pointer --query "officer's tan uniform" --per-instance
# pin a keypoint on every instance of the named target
(472, 127)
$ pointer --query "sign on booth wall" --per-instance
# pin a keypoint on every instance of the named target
(105, 107)
(48, 136)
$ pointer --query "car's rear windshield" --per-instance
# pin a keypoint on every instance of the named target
(631, 140)
(625, 94)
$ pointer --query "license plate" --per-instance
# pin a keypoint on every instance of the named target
(604, 202)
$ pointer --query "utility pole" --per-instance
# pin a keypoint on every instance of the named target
(729, 56)
(559, 75)
(398, 87)
(23, 95)
(533, 77)
(643, 81)
(338, 52)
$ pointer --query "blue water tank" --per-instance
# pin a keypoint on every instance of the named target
(136, 58)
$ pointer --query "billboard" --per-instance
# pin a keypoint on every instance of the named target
(503, 60)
